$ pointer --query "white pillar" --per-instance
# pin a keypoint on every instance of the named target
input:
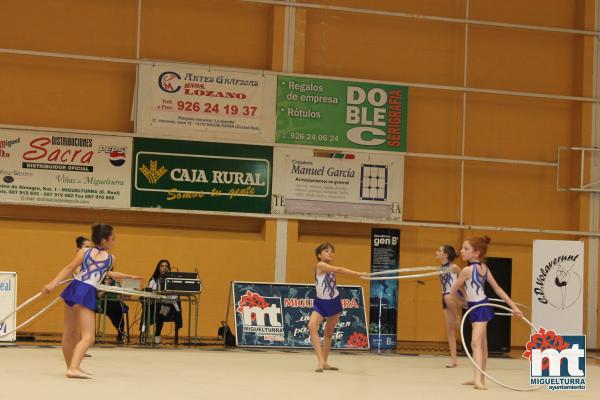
(594, 216)
(281, 236)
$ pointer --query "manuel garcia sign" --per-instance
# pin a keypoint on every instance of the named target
(337, 113)
(332, 184)
(201, 176)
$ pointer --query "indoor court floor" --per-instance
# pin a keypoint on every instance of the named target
(34, 372)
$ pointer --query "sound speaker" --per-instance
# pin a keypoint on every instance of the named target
(498, 329)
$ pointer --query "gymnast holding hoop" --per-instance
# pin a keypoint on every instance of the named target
(451, 305)
(473, 279)
(327, 304)
(80, 296)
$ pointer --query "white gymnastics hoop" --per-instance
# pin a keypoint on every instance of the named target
(502, 301)
(466, 350)
(402, 270)
(104, 288)
(34, 316)
(400, 277)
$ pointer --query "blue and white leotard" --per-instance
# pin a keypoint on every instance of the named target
(327, 302)
(447, 279)
(83, 288)
(475, 294)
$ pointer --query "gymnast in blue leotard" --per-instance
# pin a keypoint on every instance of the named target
(472, 279)
(88, 268)
(327, 304)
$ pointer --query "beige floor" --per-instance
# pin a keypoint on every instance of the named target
(127, 373)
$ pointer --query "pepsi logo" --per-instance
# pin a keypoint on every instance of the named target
(8, 179)
(117, 158)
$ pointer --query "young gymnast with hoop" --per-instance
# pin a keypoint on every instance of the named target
(472, 279)
(327, 304)
(80, 296)
(451, 306)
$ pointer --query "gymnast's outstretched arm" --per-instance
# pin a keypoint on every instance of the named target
(324, 267)
(121, 275)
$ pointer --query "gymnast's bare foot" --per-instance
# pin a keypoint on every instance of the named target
(77, 374)
(480, 386)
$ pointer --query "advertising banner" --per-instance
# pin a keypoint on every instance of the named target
(205, 104)
(329, 184)
(276, 315)
(54, 168)
(188, 175)
(8, 304)
(383, 302)
(341, 113)
(557, 286)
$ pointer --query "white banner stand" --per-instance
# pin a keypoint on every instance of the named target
(557, 286)
(8, 303)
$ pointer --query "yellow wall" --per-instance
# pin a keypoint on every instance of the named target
(90, 95)
(222, 249)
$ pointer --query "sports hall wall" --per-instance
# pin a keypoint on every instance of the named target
(60, 93)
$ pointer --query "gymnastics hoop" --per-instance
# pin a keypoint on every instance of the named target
(402, 270)
(34, 316)
(502, 301)
(466, 350)
(104, 288)
(400, 277)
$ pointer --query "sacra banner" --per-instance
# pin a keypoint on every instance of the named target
(557, 286)
(55, 168)
(192, 102)
(277, 314)
(334, 184)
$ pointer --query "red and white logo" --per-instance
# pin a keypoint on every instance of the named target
(6, 144)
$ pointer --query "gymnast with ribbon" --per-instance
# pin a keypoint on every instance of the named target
(80, 296)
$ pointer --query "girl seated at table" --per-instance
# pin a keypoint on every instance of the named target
(115, 308)
(167, 309)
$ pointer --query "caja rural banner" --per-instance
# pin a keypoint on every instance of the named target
(188, 175)
(341, 113)
(55, 168)
(383, 298)
(557, 286)
(205, 104)
(8, 303)
(276, 315)
(324, 183)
